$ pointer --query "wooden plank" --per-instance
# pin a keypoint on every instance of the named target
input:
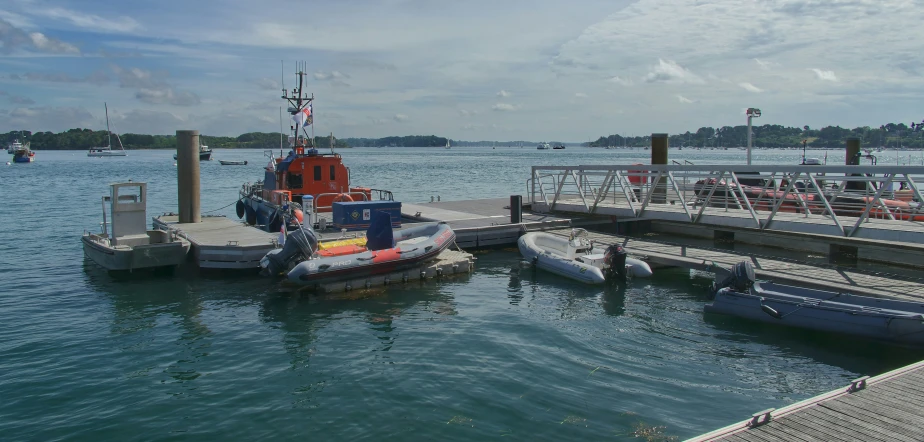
(750, 435)
(866, 417)
(900, 422)
(897, 397)
(826, 425)
(834, 418)
(807, 426)
(779, 431)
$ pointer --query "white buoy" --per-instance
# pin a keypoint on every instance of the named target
(8, 163)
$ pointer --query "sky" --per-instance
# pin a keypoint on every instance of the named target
(473, 70)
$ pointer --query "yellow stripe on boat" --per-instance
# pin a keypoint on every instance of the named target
(343, 242)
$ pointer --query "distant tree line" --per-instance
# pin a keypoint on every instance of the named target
(406, 141)
(82, 139)
(773, 135)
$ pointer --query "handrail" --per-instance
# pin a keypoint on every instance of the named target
(741, 195)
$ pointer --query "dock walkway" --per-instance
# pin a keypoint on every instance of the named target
(222, 243)
(775, 269)
(888, 407)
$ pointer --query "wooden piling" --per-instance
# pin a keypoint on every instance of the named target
(187, 175)
(659, 146)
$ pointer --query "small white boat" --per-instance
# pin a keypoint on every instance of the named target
(125, 243)
(543, 146)
(577, 258)
(107, 151)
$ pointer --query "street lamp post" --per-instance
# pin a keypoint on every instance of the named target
(752, 113)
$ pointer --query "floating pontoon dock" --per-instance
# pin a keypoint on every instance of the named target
(447, 263)
(221, 243)
(888, 407)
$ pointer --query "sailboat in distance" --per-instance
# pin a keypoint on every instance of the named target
(447, 144)
(107, 151)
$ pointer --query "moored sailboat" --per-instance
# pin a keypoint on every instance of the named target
(107, 151)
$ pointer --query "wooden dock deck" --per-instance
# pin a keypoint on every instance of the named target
(832, 278)
(888, 407)
(484, 222)
(222, 243)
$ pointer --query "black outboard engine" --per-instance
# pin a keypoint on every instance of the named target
(740, 280)
(300, 243)
(615, 259)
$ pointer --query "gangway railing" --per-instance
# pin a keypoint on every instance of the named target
(839, 197)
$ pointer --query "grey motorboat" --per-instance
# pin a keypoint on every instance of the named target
(125, 244)
(891, 320)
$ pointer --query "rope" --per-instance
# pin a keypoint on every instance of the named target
(225, 207)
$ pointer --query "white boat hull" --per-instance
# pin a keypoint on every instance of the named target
(552, 253)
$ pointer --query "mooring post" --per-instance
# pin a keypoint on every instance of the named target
(659, 147)
(852, 158)
(853, 152)
(187, 175)
(516, 209)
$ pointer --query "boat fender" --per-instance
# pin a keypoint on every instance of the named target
(615, 257)
(769, 310)
(239, 208)
(637, 180)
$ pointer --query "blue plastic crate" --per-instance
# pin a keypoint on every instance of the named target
(356, 215)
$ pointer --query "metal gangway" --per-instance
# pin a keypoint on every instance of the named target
(872, 202)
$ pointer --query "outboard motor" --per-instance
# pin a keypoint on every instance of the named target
(740, 280)
(300, 242)
(615, 259)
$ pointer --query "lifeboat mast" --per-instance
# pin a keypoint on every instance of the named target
(297, 103)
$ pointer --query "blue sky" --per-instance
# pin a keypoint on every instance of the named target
(502, 70)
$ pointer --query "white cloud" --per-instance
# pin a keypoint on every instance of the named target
(750, 87)
(668, 71)
(12, 38)
(401, 118)
(467, 113)
(580, 95)
(619, 80)
(683, 99)
(824, 75)
(505, 107)
(503, 94)
(46, 118)
(92, 22)
(332, 75)
(765, 65)
(267, 84)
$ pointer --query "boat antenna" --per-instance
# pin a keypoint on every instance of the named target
(281, 130)
(106, 106)
(331, 142)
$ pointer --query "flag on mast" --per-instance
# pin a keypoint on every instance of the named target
(303, 117)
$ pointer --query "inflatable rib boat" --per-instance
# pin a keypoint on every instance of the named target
(577, 258)
(384, 251)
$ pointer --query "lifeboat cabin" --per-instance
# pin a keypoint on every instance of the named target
(306, 172)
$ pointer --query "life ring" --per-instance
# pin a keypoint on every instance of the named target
(637, 179)
(343, 198)
(299, 215)
(239, 208)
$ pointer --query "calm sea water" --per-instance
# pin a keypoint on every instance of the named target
(504, 352)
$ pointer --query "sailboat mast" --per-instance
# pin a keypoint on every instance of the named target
(108, 131)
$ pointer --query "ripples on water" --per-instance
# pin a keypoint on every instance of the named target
(504, 352)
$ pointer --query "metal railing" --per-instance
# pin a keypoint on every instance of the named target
(755, 196)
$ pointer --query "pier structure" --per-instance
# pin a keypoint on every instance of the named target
(888, 407)
(864, 210)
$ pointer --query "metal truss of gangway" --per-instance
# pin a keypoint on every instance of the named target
(870, 202)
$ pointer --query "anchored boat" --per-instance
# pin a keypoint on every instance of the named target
(577, 258)
(303, 183)
(305, 261)
(233, 162)
(205, 154)
(130, 245)
(107, 151)
(21, 152)
(889, 320)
